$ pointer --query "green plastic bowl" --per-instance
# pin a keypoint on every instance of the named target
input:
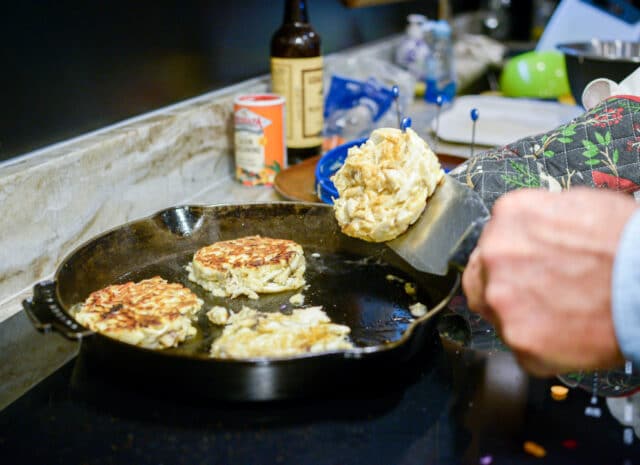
(536, 75)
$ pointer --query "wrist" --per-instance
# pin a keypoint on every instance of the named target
(625, 289)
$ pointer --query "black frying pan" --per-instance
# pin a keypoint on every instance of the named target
(348, 277)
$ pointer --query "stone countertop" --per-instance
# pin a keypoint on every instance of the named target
(227, 191)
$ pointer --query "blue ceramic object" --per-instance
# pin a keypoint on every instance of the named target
(327, 166)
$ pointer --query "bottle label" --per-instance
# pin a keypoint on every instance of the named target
(299, 81)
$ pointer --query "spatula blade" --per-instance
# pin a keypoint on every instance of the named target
(428, 243)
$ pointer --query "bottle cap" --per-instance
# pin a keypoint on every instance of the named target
(416, 22)
(441, 29)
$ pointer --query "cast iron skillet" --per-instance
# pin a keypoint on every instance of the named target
(348, 277)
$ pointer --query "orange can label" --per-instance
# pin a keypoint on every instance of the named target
(260, 150)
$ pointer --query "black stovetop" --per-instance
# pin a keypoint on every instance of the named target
(465, 402)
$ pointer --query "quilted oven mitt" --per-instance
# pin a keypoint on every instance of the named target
(600, 148)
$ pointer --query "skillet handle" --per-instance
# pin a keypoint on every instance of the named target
(46, 313)
(459, 255)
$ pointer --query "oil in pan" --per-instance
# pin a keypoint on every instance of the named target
(364, 293)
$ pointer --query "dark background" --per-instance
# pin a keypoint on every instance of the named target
(69, 67)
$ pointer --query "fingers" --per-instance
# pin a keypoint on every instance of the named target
(474, 283)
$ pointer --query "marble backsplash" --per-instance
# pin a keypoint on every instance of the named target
(57, 198)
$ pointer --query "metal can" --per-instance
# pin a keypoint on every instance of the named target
(260, 151)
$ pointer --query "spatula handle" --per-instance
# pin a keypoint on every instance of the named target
(459, 255)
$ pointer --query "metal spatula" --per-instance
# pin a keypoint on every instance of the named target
(449, 228)
(447, 231)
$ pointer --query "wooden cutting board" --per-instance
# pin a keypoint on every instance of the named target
(298, 181)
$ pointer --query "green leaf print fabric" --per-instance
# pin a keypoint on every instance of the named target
(600, 148)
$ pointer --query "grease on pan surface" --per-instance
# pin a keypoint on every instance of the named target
(248, 266)
(384, 184)
(152, 313)
(251, 333)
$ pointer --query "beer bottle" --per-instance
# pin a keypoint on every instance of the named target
(296, 74)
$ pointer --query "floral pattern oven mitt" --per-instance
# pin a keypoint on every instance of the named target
(600, 148)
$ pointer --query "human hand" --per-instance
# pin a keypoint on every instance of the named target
(541, 273)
